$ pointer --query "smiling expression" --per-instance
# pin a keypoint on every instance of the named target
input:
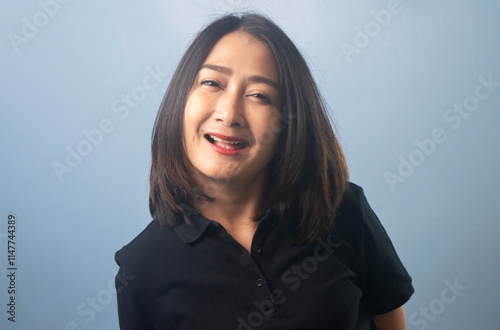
(232, 117)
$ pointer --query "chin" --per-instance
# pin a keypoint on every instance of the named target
(214, 176)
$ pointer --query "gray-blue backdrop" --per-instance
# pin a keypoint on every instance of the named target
(414, 87)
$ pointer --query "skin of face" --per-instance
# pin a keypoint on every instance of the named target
(232, 117)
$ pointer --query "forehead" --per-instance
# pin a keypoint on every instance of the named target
(243, 51)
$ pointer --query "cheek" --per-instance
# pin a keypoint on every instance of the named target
(187, 130)
(268, 135)
(189, 111)
(195, 113)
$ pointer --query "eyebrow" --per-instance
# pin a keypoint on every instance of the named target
(257, 79)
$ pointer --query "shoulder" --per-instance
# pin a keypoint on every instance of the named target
(356, 221)
(354, 195)
(151, 245)
(384, 280)
(353, 208)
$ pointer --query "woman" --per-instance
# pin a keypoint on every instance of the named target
(255, 223)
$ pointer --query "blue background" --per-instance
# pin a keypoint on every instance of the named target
(67, 66)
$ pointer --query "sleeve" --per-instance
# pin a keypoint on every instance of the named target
(133, 312)
(385, 282)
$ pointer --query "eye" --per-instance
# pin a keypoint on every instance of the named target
(209, 82)
(262, 97)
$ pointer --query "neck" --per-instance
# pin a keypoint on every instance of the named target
(233, 204)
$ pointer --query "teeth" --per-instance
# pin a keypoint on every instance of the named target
(224, 141)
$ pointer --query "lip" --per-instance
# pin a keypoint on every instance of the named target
(224, 151)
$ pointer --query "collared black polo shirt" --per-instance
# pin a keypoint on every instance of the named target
(199, 277)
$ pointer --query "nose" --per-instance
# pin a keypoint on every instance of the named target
(230, 110)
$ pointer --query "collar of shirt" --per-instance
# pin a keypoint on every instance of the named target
(190, 230)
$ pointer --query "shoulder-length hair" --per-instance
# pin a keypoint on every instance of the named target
(307, 177)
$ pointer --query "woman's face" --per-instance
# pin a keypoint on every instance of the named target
(232, 115)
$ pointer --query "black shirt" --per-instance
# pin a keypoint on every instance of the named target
(199, 277)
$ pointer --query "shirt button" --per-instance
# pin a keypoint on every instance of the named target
(260, 282)
(258, 250)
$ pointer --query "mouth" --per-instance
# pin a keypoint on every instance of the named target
(226, 142)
